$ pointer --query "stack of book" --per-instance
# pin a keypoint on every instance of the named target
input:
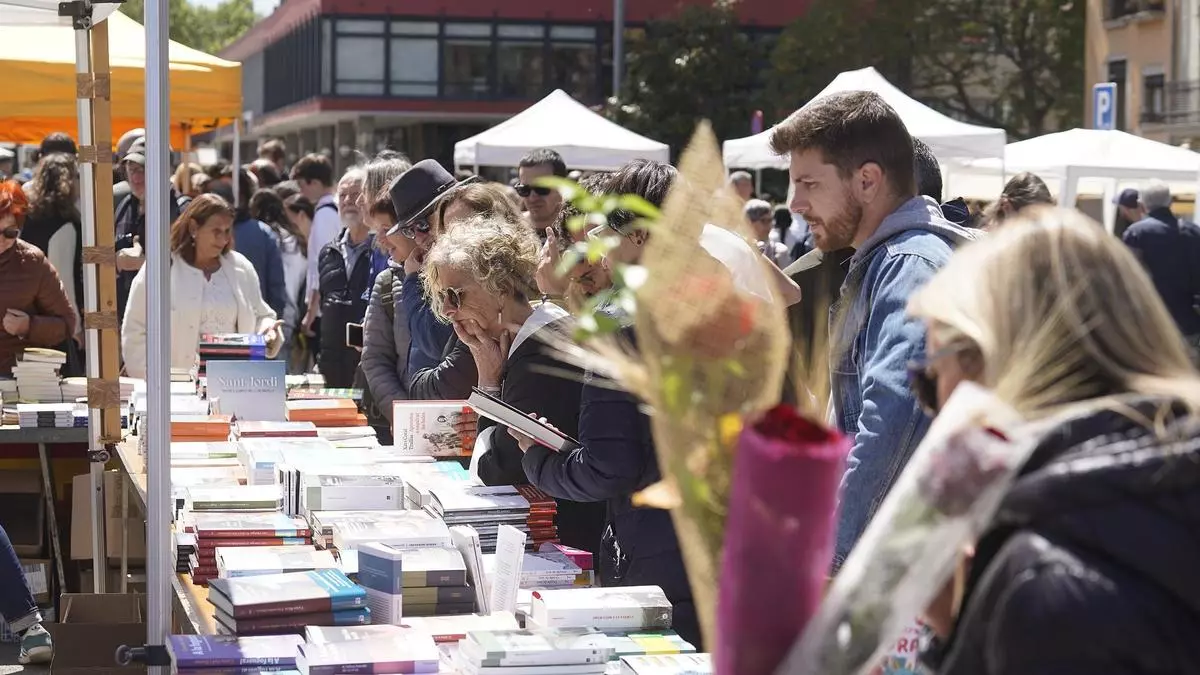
(278, 604)
(546, 570)
(198, 654)
(579, 652)
(584, 559)
(621, 608)
(309, 392)
(8, 389)
(483, 508)
(328, 412)
(234, 562)
(74, 389)
(37, 375)
(543, 511)
(199, 428)
(413, 582)
(425, 477)
(347, 437)
(214, 530)
(454, 629)
(327, 524)
(46, 415)
(408, 653)
(321, 635)
(251, 429)
(240, 498)
(402, 529)
(351, 488)
(230, 347)
(648, 643)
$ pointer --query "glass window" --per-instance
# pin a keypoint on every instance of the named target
(526, 32)
(345, 88)
(1154, 98)
(360, 66)
(573, 32)
(522, 66)
(360, 26)
(414, 28)
(573, 69)
(469, 30)
(467, 67)
(326, 56)
(1116, 74)
(414, 65)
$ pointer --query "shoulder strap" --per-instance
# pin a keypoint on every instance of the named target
(387, 293)
(327, 205)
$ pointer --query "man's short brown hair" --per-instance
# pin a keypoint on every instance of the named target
(274, 150)
(851, 129)
(314, 167)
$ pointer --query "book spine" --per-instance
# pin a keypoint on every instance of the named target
(313, 606)
(235, 506)
(235, 664)
(253, 534)
(210, 544)
(378, 668)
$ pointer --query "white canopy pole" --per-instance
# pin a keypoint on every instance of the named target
(160, 555)
(87, 215)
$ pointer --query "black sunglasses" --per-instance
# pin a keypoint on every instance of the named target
(924, 381)
(525, 190)
(11, 232)
(412, 227)
(451, 298)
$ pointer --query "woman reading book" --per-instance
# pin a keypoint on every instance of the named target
(480, 277)
(214, 289)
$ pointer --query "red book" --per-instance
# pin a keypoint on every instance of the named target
(210, 544)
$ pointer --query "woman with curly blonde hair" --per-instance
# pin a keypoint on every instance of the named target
(1089, 564)
(479, 276)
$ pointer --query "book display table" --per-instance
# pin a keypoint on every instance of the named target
(193, 614)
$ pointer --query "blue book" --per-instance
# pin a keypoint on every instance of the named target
(226, 651)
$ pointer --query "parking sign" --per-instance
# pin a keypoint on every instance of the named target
(1104, 106)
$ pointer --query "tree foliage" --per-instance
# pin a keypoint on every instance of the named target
(209, 29)
(696, 65)
(1016, 65)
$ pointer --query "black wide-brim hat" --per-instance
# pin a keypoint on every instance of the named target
(416, 191)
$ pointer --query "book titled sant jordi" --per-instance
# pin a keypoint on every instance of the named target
(432, 428)
(189, 652)
(249, 390)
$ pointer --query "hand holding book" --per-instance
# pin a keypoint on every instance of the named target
(527, 442)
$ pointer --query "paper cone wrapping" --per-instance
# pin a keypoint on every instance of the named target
(778, 538)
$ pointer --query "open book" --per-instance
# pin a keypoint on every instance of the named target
(494, 409)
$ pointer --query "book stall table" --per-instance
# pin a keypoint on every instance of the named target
(193, 613)
(41, 437)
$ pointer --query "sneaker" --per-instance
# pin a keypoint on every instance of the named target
(35, 646)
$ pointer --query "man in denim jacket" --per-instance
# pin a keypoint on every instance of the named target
(852, 166)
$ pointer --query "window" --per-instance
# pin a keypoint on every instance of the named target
(360, 65)
(1116, 74)
(467, 60)
(521, 61)
(1154, 98)
(414, 66)
(573, 69)
(360, 26)
(1120, 9)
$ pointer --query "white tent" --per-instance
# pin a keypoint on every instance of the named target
(1083, 154)
(950, 140)
(45, 13)
(586, 140)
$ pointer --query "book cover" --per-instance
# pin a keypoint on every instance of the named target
(326, 634)
(515, 648)
(312, 592)
(224, 525)
(250, 390)
(255, 560)
(455, 628)
(400, 655)
(672, 664)
(236, 498)
(213, 651)
(628, 607)
(262, 429)
(431, 428)
(433, 567)
(211, 544)
(292, 624)
(408, 529)
(648, 643)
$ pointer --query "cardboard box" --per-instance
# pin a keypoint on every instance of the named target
(21, 493)
(81, 520)
(136, 580)
(91, 628)
(37, 575)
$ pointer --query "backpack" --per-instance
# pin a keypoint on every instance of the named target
(326, 205)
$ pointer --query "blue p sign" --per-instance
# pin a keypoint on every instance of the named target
(1104, 106)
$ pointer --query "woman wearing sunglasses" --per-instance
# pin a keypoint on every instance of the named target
(480, 277)
(1089, 565)
(34, 309)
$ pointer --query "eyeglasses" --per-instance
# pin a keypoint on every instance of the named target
(923, 380)
(525, 190)
(411, 228)
(11, 232)
(451, 298)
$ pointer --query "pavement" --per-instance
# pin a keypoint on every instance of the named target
(8, 662)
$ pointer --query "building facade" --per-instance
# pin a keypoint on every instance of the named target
(1151, 50)
(338, 75)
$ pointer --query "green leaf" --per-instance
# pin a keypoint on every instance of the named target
(570, 258)
(598, 247)
(569, 189)
(633, 277)
(577, 223)
(640, 207)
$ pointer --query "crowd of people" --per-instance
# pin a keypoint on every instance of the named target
(1088, 564)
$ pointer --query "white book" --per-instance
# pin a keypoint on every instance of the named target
(615, 608)
(246, 561)
(411, 529)
(319, 635)
(409, 653)
(667, 664)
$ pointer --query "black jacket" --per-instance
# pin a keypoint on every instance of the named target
(1169, 247)
(450, 379)
(536, 382)
(617, 459)
(341, 303)
(1092, 563)
(130, 222)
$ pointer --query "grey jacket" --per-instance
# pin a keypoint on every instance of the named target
(385, 343)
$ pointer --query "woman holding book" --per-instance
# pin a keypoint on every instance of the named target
(480, 276)
(214, 289)
(34, 309)
(1089, 564)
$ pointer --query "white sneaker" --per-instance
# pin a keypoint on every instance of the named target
(36, 646)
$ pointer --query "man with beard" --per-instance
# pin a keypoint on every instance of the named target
(852, 164)
(344, 273)
(542, 203)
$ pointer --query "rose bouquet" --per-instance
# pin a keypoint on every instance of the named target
(948, 492)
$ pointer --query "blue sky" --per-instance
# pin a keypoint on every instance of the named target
(262, 7)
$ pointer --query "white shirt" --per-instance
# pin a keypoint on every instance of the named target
(219, 307)
(60, 251)
(325, 228)
(295, 268)
(543, 315)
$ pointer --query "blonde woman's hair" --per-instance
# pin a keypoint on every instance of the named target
(501, 256)
(1063, 314)
(484, 199)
